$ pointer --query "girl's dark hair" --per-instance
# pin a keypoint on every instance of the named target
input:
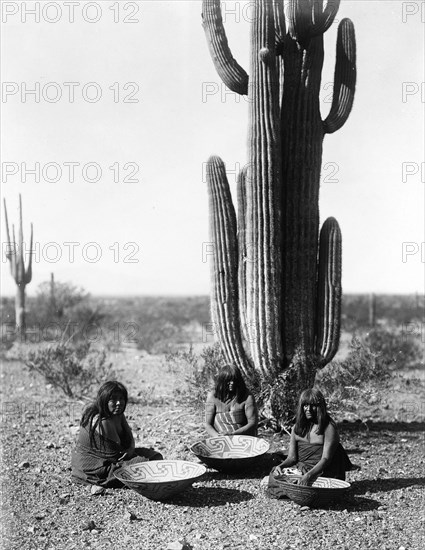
(98, 410)
(230, 373)
(312, 396)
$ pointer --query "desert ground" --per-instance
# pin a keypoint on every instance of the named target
(43, 509)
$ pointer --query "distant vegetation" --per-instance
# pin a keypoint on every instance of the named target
(69, 335)
(156, 323)
(391, 310)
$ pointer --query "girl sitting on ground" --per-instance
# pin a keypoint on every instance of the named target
(230, 408)
(314, 447)
(105, 440)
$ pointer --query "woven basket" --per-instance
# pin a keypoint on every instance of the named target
(160, 479)
(231, 454)
(324, 491)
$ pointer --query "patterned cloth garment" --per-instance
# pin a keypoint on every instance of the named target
(225, 422)
(96, 465)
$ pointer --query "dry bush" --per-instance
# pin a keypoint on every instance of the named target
(367, 372)
(74, 368)
(198, 372)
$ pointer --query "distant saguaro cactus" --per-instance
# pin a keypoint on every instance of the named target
(276, 284)
(372, 310)
(22, 276)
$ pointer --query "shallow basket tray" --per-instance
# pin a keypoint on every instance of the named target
(324, 491)
(230, 453)
(160, 479)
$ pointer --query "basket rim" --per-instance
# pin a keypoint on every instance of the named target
(157, 482)
(309, 488)
(213, 457)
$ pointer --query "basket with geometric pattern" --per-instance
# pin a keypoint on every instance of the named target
(230, 453)
(324, 491)
(160, 479)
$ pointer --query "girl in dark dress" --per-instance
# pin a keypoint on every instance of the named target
(105, 440)
(314, 447)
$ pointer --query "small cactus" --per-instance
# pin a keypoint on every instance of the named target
(21, 275)
(276, 283)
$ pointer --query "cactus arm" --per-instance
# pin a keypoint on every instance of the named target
(344, 79)
(263, 211)
(243, 252)
(224, 268)
(14, 264)
(230, 72)
(28, 273)
(7, 225)
(11, 252)
(307, 18)
(299, 19)
(326, 17)
(20, 271)
(329, 292)
(280, 26)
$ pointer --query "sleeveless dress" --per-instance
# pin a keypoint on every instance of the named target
(309, 455)
(96, 464)
(232, 420)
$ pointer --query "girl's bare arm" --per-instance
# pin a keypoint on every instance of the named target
(210, 415)
(251, 414)
(330, 443)
(292, 457)
(128, 435)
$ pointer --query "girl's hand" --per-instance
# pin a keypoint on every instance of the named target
(130, 453)
(305, 480)
(278, 471)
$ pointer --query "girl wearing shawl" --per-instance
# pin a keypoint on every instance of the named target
(314, 447)
(105, 440)
(230, 409)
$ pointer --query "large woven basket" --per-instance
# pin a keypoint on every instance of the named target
(160, 479)
(323, 492)
(231, 453)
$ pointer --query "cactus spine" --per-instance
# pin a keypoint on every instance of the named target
(276, 278)
(22, 276)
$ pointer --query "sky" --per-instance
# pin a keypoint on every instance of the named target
(108, 152)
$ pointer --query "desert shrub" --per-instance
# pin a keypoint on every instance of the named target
(197, 372)
(156, 335)
(368, 370)
(7, 307)
(68, 314)
(394, 349)
(74, 368)
(356, 379)
(48, 306)
(164, 323)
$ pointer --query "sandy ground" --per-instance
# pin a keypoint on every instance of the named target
(43, 509)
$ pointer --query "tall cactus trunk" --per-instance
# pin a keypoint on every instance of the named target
(285, 317)
(302, 137)
(20, 309)
(52, 305)
(263, 310)
(21, 275)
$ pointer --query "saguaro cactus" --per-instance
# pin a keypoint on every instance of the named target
(276, 292)
(22, 276)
